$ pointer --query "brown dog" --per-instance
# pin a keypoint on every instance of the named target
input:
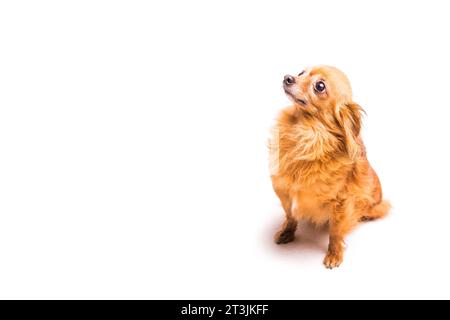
(320, 170)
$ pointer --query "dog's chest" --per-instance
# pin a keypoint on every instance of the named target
(314, 203)
(309, 168)
(300, 149)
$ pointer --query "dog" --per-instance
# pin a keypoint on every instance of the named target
(321, 172)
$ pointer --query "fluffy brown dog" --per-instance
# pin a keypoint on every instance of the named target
(320, 170)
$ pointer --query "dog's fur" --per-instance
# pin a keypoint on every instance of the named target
(322, 173)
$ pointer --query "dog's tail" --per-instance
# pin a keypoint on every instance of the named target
(378, 211)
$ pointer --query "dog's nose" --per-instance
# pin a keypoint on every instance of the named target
(288, 80)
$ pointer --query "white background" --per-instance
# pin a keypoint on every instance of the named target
(133, 159)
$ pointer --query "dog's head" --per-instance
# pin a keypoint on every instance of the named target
(325, 92)
(318, 88)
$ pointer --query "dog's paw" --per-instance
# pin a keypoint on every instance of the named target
(284, 236)
(333, 260)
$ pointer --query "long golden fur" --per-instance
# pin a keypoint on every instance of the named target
(320, 170)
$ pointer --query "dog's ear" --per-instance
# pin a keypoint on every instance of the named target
(348, 117)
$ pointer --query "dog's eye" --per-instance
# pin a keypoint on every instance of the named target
(320, 86)
(301, 73)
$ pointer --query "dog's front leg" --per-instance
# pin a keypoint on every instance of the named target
(341, 222)
(286, 233)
